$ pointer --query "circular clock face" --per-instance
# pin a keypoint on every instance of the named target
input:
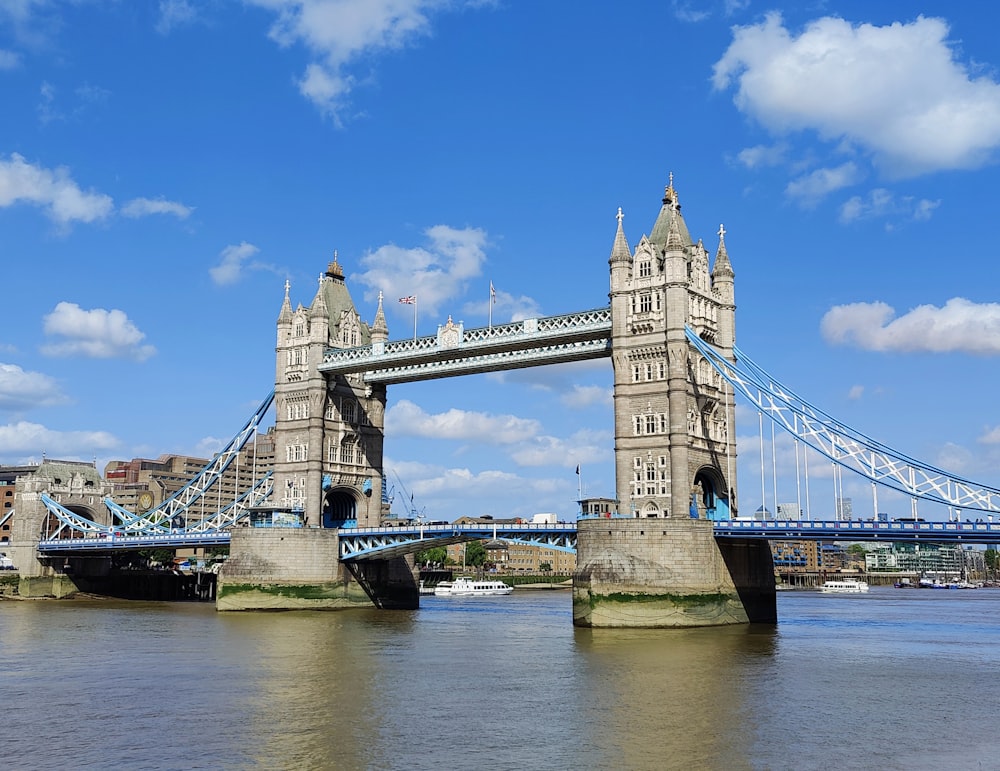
(145, 500)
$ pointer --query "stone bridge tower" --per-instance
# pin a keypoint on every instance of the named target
(328, 433)
(657, 564)
(675, 451)
(328, 438)
(76, 486)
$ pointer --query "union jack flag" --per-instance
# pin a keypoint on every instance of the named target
(408, 300)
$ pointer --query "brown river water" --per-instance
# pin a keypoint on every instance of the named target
(896, 679)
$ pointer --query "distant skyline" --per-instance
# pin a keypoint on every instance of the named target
(166, 167)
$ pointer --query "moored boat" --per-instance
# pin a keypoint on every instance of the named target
(844, 587)
(467, 587)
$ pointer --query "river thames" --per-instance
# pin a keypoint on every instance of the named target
(896, 679)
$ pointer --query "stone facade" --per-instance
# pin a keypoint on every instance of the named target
(328, 433)
(285, 568)
(296, 568)
(675, 450)
(657, 564)
(77, 487)
(665, 573)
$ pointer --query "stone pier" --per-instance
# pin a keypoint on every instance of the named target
(299, 568)
(668, 573)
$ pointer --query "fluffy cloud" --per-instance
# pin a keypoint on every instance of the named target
(895, 92)
(407, 419)
(20, 389)
(233, 260)
(51, 189)
(23, 441)
(809, 188)
(960, 325)
(337, 32)
(97, 333)
(434, 273)
(882, 204)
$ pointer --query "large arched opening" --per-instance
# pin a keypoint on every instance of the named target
(340, 508)
(710, 497)
(53, 527)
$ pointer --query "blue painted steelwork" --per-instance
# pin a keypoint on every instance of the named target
(128, 523)
(369, 543)
(165, 517)
(844, 445)
(114, 542)
(384, 542)
(861, 530)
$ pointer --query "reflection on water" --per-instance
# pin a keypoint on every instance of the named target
(660, 698)
(897, 679)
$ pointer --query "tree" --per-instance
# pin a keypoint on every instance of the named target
(992, 558)
(545, 567)
(857, 548)
(475, 553)
(439, 554)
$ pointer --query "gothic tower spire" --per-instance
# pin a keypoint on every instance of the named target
(380, 330)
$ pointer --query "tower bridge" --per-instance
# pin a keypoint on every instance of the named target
(678, 558)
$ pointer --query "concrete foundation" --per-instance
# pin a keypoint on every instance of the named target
(298, 569)
(668, 573)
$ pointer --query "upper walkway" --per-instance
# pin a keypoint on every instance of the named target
(455, 350)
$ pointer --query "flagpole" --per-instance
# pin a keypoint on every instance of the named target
(414, 318)
(490, 303)
(579, 488)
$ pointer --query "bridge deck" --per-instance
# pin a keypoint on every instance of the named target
(384, 542)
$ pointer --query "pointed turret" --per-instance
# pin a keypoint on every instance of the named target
(724, 286)
(318, 308)
(285, 315)
(722, 268)
(380, 330)
(620, 252)
(674, 243)
(670, 212)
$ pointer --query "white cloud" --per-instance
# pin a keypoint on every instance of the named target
(585, 396)
(684, 12)
(991, 436)
(452, 492)
(809, 188)
(141, 207)
(583, 447)
(20, 389)
(97, 333)
(960, 325)
(507, 307)
(895, 91)
(883, 204)
(434, 273)
(760, 156)
(53, 190)
(407, 419)
(175, 13)
(231, 264)
(338, 32)
(856, 392)
(22, 439)
(9, 60)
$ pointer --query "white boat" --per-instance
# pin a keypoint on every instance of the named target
(844, 587)
(467, 587)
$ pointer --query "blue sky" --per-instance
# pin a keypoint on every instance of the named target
(165, 167)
